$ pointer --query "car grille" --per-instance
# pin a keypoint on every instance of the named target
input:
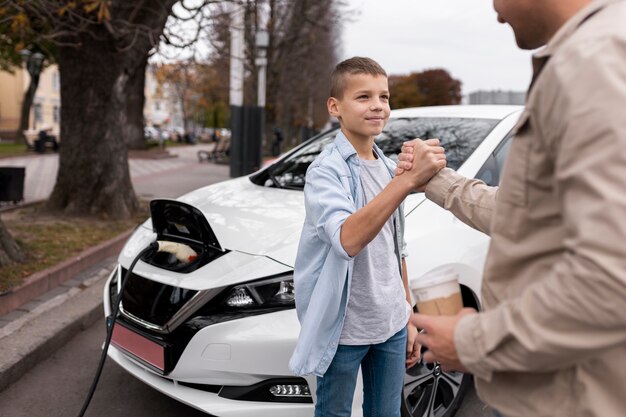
(153, 302)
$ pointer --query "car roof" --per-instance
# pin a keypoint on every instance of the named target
(469, 111)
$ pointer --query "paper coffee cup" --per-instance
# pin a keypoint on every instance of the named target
(438, 292)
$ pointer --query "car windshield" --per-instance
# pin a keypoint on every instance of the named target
(459, 136)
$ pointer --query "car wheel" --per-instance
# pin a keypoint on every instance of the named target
(430, 392)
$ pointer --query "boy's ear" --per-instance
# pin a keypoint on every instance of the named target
(333, 106)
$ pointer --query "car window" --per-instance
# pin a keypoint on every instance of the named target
(291, 171)
(491, 170)
(459, 136)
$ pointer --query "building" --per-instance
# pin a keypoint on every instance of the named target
(162, 107)
(497, 97)
(46, 108)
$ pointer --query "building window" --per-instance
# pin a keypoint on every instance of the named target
(157, 105)
(56, 114)
(55, 81)
(38, 113)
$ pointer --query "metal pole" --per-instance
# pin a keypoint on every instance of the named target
(236, 91)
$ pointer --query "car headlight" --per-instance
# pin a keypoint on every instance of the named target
(272, 292)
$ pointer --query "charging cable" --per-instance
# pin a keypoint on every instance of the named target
(182, 252)
(110, 324)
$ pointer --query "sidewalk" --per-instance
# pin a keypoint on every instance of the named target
(50, 318)
(41, 172)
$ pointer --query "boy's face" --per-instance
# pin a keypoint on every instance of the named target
(363, 110)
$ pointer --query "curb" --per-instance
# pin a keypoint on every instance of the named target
(49, 327)
(43, 281)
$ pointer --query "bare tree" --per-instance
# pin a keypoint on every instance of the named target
(304, 37)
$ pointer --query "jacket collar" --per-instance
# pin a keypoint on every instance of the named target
(346, 150)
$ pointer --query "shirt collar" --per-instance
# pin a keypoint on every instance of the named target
(568, 29)
(346, 150)
(541, 57)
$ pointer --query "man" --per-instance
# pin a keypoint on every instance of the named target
(552, 338)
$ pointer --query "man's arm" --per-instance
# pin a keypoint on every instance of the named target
(472, 201)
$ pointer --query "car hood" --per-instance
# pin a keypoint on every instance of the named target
(257, 220)
(252, 219)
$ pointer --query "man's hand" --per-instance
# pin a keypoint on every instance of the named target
(412, 346)
(423, 159)
(438, 337)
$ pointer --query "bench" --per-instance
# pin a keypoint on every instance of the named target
(204, 156)
(219, 153)
(32, 136)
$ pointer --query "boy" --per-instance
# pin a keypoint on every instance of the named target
(350, 274)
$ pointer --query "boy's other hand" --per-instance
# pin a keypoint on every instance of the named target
(421, 160)
(413, 348)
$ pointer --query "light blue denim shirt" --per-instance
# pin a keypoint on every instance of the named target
(323, 269)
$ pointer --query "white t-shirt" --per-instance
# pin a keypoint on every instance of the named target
(377, 307)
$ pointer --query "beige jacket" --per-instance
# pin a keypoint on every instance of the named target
(552, 339)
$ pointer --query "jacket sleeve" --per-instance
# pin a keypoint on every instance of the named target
(472, 201)
(576, 311)
(329, 203)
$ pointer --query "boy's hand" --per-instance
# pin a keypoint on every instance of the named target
(421, 160)
(413, 348)
(438, 337)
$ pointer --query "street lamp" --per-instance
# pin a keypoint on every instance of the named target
(262, 42)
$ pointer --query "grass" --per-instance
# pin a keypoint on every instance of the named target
(48, 240)
(13, 149)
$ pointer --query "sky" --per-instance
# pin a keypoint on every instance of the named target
(461, 36)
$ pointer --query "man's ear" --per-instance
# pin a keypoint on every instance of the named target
(333, 106)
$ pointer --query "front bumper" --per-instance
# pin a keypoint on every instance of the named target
(241, 352)
(206, 401)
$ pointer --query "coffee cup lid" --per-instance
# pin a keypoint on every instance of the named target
(435, 276)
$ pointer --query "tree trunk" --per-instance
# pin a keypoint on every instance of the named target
(10, 252)
(96, 82)
(93, 176)
(133, 130)
(34, 70)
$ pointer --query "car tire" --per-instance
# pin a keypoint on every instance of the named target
(430, 392)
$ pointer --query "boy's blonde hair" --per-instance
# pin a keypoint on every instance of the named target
(352, 66)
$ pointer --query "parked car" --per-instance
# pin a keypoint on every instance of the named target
(217, 333)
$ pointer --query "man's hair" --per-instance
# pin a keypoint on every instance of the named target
(352, 66)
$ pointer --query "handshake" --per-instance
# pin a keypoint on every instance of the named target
(419, 161)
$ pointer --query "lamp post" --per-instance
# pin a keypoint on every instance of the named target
(34, 64)
(237, 114)
(262, 42)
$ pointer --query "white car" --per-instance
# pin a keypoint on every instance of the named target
(217, 333)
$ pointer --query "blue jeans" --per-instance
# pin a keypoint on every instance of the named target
(383, 377)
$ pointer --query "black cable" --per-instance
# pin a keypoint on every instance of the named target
(110, 325)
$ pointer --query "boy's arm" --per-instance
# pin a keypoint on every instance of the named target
(412, 346)
(361, 228)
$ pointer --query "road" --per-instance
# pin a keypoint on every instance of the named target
(58, 386)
